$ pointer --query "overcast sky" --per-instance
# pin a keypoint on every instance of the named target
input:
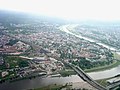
(69, 9)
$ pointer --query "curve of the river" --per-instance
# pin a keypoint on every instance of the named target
(40, 82)
(95, 75)
(67, 28)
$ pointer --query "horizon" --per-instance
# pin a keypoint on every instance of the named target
(59, 44)
(69, 10)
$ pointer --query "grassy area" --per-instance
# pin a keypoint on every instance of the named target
(103, 81)
(14, 61)
(116, 56)
(65, 73)
(101, 68)
(114, 64)
(69, 71)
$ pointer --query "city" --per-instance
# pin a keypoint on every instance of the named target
(43, 49)
(59, 45)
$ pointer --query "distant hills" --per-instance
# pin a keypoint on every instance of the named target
(20, 17)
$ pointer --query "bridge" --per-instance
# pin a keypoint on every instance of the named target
(78, 70)
(87, 78)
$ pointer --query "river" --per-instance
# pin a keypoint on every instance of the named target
(66, 27)
(40, 82)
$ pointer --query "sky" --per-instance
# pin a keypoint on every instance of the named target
(67, 9)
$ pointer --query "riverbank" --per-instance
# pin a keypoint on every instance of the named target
(68, 28)
(69, 72)
(107, 67)
(102, 68)
(67, 86)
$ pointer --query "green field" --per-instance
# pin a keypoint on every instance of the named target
(101, 68)
(15, 61)
(67, 72)
(12, 62)
(116, 56)
(103, 81)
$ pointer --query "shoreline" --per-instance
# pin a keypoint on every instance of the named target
(103, 68)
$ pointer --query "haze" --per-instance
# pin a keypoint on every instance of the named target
(68, 9)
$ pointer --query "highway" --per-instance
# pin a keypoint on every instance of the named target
(85, 77)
